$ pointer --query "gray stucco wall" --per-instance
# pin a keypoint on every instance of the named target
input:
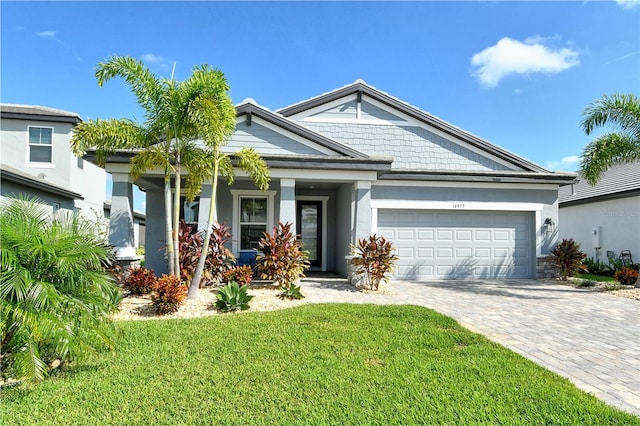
(619, 220)
(155, 237)
(14, 190)
(343, 226)
(412, 147)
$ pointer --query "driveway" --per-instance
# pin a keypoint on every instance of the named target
(592, 339)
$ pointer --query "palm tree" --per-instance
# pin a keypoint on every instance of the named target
(55, 298)
(621, 110)
(216, 120)
(164, 141)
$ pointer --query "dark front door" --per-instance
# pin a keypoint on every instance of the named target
(309, 227)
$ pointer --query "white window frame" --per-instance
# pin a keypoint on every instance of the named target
(38, 163)
(238, 194)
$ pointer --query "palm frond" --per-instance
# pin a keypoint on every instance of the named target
(251, 162)
(605, 151)
(619, 109)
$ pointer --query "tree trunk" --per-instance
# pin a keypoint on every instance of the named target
(168, 227)
(213, 218)
(176, 221)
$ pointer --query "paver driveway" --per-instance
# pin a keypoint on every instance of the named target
(593, 339)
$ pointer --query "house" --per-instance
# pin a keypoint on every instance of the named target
(139, 220)
(357, 161)
(37, 160)
(605, 216)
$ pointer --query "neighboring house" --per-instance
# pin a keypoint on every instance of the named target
(139, 220)
(36, 160)
(357, 161)
(606, 216)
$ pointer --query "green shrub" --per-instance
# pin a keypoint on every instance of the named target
(291, 292)
(282, 259)
(243, 275)
(597, 267)
(586, 283)
(140, 281)
(233, 297)
(626, 276)
(373, 258)
(55, 296)
(168, 294)
(568, 257)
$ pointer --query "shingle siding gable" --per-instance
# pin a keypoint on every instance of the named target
(266, 141)
(411, 147)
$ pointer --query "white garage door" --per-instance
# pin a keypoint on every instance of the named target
(459, 245)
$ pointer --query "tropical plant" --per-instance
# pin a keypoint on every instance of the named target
(621, 110)
(373, 258)
(215, 117)
(219, 258)
(168, 294)
(233, 297)
(291, 292)
(164, 141)
(55, 297)
(241, 274)
(626, 276)
(597, 267)
(566, 255)
(140, 281)
(282, 258)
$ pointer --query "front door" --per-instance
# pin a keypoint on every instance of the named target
(309, 226)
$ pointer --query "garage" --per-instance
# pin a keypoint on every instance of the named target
(442, 244)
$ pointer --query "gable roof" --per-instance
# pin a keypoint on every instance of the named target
(359, 87)
(38, 113)
(618, 181)
(250, 108)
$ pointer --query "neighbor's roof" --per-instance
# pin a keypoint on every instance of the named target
(359, 86)
(619, 181)
(36, 112)
(18, 176)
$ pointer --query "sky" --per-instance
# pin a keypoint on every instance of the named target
(518, 74)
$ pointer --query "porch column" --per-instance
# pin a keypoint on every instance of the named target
(288, 202)
(362, 216)
(121, 229)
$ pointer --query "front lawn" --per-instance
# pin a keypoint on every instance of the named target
(314, 364)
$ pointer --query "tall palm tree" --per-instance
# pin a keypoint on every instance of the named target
(216, 120)
(164, 141)
(622, 146)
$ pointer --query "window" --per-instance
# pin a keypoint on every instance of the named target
(253, 221)
(40, 145)
(190, 210)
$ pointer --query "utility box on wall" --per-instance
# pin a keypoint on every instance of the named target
(596, 237)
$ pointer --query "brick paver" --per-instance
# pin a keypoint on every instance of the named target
(592, 339)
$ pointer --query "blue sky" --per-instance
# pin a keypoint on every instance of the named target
(518, 74)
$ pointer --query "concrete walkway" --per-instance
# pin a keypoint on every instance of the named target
(592, 339)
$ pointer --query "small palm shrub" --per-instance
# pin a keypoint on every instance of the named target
(168, 294)
(597, 267)
(566, 255)
(233, 297)
(140, 281)
(626, 276)
(373, 259)
(243, 275)
(282, 258)
(55, 295)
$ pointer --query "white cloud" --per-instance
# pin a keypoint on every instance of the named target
(47, 34)
(567, 164)
(152, 59)
(628, 4)
(510, 56)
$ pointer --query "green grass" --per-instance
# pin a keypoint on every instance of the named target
(598, 278)
(316, 365)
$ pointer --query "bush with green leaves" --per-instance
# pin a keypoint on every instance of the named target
(233, 297)
(140, 281)
(566, 255)
(626, 276)
(55, 296)
(282, 258)
(291, 292)
(168, 294)
(597, 267)
(373, 258)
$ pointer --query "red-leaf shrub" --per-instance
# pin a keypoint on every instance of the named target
(168, 294)
(373, 258)
(282, 259)
(243, 275)
(140, 281)
(626, 276)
